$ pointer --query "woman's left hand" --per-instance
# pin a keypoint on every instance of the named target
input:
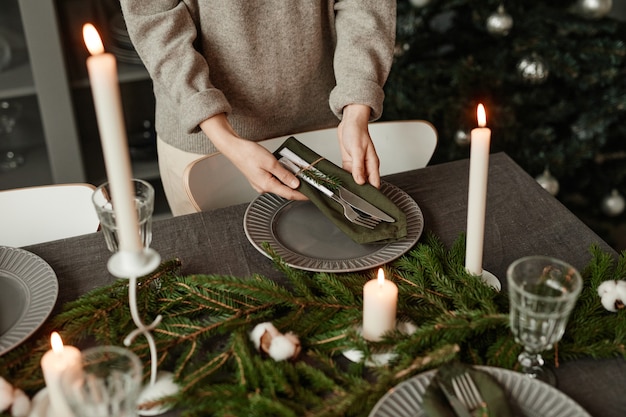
(358, 154)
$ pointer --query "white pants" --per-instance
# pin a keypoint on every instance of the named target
(172, 164)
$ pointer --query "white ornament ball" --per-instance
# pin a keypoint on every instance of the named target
(593, 9)
(419, 3)
(612, 295)
(500, 22)
(613, 204)
(548, 182)
(533, 69)
(462, 138)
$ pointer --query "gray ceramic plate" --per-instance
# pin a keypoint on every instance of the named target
(531, 397)
(304, 238)
(28, 292)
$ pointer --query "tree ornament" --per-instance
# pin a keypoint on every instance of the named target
(419, 3)
(401, 49)
(593, 9)
(533, 69)
(612, 294)
(462, 138)
(500, 22)
(548, 182)
(613, 204)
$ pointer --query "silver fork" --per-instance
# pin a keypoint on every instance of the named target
(351, 214)
(465, 389)
(348, 211)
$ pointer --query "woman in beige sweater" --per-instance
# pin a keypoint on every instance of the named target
(227, 73)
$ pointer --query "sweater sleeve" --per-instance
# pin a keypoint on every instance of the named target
(365, 31)
(163, 33)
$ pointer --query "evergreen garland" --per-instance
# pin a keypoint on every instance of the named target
(204, 337)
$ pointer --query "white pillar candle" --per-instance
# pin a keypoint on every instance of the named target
(53, 363)
(477, 194)
(380, 300)
(102, 69)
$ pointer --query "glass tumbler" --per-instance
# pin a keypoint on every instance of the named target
(542, 294)
(107, 385)
(144, 202)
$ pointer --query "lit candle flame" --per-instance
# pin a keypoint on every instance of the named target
(56, 342)
(92, 39)
(481, 115)
(381, 277)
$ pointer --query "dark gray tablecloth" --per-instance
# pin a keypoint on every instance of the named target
(521, 219)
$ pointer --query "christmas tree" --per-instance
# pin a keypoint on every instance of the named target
(552, 75)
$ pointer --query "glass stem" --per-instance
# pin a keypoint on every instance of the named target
(532, 363)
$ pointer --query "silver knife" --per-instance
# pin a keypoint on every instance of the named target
(363, 205)
(455, 403)
(349, 197)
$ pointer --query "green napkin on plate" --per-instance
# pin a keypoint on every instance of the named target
(435, 403)
(384, 232)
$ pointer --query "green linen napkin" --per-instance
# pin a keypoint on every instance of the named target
(382, 233)
(435, 403)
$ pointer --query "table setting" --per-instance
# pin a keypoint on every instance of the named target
(328, 307)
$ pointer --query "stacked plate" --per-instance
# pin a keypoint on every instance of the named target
(28, 292)
(121, 45)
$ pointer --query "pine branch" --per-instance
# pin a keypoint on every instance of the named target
(204, 336)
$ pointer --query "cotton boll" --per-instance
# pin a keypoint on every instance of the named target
(606, 287)
(21, 404)
(6, 395)
(612, 295)
(163, 387)
(282, 348)
(256, 335)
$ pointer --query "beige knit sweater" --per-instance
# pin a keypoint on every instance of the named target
(276, 67)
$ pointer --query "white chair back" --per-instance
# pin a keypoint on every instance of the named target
(40, 214)
(213, 181)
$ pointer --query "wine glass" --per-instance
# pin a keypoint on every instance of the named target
(9, 113)
(107, 384)
(542, 294)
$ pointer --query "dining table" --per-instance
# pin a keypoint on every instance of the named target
(521, 219)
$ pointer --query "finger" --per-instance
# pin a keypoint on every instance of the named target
(373, 170)
(354, 162)
(274, 186)
(285, 176)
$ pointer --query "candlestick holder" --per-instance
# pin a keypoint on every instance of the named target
(491, 280)
(382, 358)
(131, 265)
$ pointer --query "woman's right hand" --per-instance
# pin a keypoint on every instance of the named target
(262, 170)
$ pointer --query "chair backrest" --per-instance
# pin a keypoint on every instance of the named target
(39, 214)
(213, 181)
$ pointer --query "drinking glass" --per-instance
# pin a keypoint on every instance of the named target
(144, 202)
(107, 385)
(9, 113)
(542, 294)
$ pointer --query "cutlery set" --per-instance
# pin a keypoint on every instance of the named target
(355, 208)
(466, 400)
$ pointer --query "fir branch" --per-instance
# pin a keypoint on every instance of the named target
(204, 338)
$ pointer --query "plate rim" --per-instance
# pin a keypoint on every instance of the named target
(539, 386)
(41, 281)
(415, 227)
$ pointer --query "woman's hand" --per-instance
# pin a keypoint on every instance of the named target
(262, 170)
(358, 154)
